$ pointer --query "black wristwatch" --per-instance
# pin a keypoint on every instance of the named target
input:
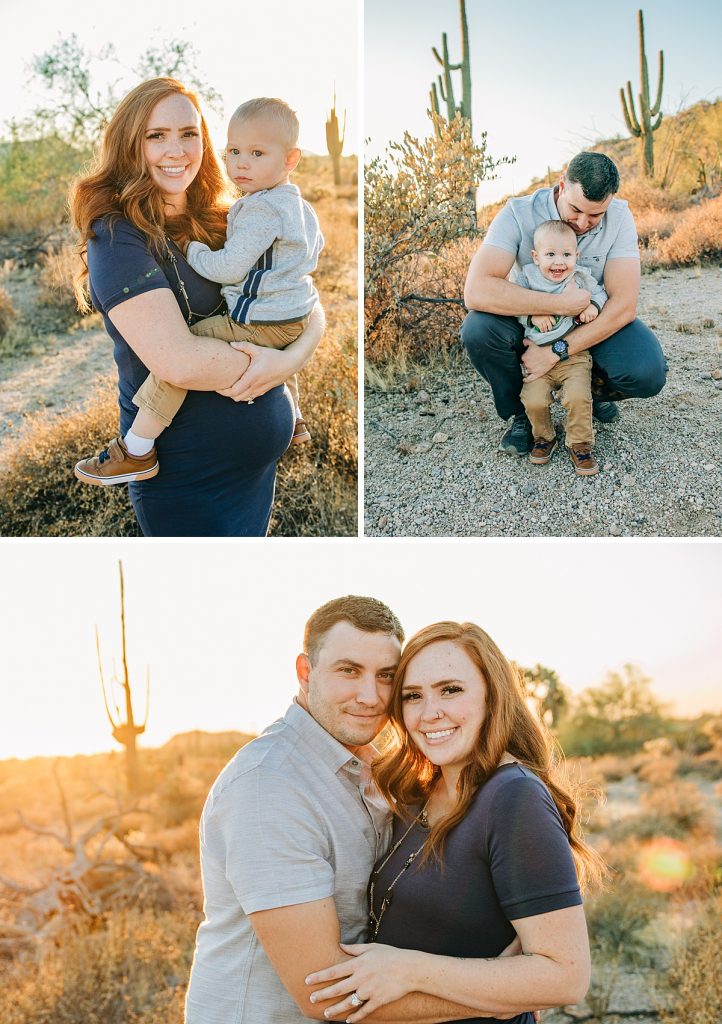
(561, 349)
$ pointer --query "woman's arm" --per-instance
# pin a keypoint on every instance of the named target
(154, 327)
(270, 367)
(552, 971)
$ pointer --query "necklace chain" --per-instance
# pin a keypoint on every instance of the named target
(374, 918)
(173, 260)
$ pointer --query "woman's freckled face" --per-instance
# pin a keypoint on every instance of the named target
(173, 148)
(444, 703)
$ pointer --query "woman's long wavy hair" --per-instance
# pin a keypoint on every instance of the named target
(119, 184)
(406, 777)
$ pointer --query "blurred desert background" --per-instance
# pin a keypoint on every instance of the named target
(119, 714)
(57, 376)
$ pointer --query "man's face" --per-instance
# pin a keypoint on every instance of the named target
(579, 212)
(348, 689)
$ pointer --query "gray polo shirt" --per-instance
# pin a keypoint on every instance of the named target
(289, 820)
(614, 237)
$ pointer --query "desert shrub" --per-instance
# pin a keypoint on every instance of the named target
(673, 811)
(617, 918)
(55, 282)
(659, 771)
(129, 970)
(419, 198)
(34, 179)
(695, 980)
(696, 239)
(8, 313)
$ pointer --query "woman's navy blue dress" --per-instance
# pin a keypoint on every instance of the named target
(218, 457)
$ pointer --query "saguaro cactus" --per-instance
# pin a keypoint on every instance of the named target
(445, 83)
(335, 140)
(642, 127)
(127, 732)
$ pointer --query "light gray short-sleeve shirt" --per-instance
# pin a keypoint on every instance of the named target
(289, 820)
(614, 237)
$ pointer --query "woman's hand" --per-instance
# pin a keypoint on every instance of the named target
(378, 975)
(267, 369)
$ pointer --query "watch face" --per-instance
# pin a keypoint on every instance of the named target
(558, 347)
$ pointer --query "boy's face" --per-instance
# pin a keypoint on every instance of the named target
(257, 156)
(556, 255)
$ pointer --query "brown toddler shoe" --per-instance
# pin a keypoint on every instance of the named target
(116, 465)
(300, 432)
(542, 451)
(584, 462)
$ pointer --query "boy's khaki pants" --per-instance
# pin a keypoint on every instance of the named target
(163, 400)
(574, 375)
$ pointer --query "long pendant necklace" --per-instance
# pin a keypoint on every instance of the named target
(374, 918)
(173, 260)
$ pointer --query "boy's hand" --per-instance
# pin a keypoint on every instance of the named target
(544, 323)
(587, 315)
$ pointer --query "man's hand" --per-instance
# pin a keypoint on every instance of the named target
(536, 361)
(573, 300)
(544, 323)
(588, 314)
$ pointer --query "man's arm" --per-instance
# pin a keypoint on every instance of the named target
(488, 290)
(302, 939)
(621, 281)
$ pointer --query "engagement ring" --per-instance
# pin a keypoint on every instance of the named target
(355, 1001)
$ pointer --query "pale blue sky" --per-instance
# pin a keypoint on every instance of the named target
(545, 79)
(220, 623)
(279, 48)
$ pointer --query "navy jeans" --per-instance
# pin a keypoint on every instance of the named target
(629, 364)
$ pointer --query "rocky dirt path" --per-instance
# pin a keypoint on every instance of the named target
(432, 467)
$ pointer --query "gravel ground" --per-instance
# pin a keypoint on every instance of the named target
(432, 468)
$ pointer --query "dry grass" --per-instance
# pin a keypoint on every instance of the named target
(697, 238)
(8, 313)
(695, 980)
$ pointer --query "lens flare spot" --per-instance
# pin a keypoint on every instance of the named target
(664, 865)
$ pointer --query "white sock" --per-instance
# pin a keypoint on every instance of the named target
(299, 415)
(138, 445)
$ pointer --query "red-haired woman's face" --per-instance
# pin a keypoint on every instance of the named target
(444, 703)
(173, 148)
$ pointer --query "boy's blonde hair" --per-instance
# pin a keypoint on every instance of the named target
(273, 110)
(554, 227)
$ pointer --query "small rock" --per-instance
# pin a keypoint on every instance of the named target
(423, 397)
(439, 438)
(383, 522)
(716, 374)
(718, 385)
(615, 530)
(422, 448)
(628, 479)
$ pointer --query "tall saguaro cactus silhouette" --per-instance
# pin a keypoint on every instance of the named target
(446, 85)
(335, 140)
(650, 115)
(127, 732)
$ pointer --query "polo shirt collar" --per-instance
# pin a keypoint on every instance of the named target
(323, 745)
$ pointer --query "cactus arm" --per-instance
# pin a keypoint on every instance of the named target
(660, 73)
(630, 114)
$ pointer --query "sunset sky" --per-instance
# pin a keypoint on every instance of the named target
(295, 51)
(545, 79)
(220, 624)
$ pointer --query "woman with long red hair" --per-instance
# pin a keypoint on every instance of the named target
(157, 184)
(486, 858)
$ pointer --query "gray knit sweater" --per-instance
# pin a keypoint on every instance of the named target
(272, 244)
(532, 277)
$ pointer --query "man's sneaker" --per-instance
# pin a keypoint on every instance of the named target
(517, 440)
(300, 432)
(542, 451)
(584, 462)
(116, 465)
(605, 412)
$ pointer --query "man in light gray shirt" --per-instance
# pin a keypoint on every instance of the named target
(627, 360)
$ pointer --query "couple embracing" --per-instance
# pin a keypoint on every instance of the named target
(437, 881)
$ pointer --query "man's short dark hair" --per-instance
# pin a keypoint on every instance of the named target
(366, 613)
(596, 173)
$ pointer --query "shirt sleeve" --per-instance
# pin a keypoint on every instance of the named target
(120, 264)
(626, 244)
(254, 230)
(504, 231)
(588, 280)
(267, 836)
(530, 858)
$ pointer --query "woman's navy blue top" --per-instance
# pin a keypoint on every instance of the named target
(218, 457)
(508, 858)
